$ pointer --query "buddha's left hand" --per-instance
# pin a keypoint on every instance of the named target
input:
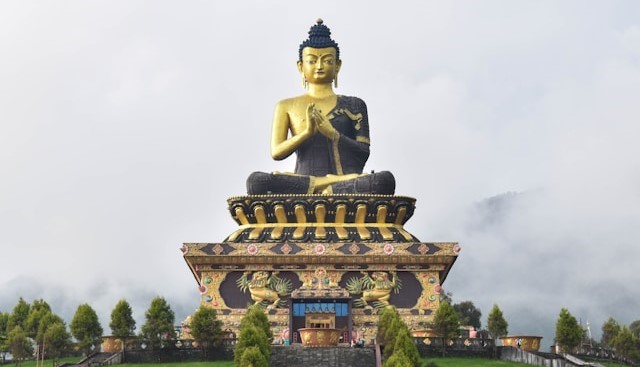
(324, 125)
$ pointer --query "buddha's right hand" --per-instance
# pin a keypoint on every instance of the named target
(310, 128)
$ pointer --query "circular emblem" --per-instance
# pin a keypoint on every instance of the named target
(252, 249)
(437, 288)
(388, 249)
(184, 249)
(202, 289)
(320, 249)
(208, 280)
(456, 249)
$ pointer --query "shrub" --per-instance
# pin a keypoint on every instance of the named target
(251, 336)
(398, 359)
(253, 357)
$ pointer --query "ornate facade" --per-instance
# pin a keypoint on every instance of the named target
(337, 258)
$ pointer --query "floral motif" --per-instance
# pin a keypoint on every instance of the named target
(388, 249)
(252, 249)
(354, 249)
(286, 249)
(423, 249)
(319, 249)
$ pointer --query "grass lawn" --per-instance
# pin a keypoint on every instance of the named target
(47, 362)
(185, 364)
(473, 362)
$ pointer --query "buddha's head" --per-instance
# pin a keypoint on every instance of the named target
(319, 56)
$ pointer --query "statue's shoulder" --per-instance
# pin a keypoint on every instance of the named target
(352, 103)
(291, 101)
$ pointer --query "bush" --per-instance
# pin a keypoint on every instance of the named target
(256, 317)
(255, 331)
(405, 345)
(398, 359)
(253, 357)
(394, 335)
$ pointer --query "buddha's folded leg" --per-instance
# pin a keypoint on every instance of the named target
(261, 183)
(382, 183)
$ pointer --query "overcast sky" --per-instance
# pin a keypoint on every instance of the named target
(125, 125)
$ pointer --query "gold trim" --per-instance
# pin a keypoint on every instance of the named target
(321, 211)
(281, 217)
(381, 219)
(361, 214)
(261, 218)
(241, 216)
(341, 213)
(289, 196)
(402, 211)
(301, 217)
(314, 225)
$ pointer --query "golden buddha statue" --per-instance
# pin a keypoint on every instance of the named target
(329, 133)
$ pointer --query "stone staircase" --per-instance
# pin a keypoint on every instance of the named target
(100, 359)
(544, 359)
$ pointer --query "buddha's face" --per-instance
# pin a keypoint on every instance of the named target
(319, 65)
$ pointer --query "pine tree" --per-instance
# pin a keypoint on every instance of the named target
(19, 344)
(626, 344)
(251, 336)
(19, 315)
(399, 349)
(122, 324)
(398, 360)
(57, 341)
(255, 331)
(38, 310)
(256, 316)
(610, 330)
(159, 323)
(568, 331)
(4, 323)
(253, 357)
(44, 324)
(86, 328)
(206, 329)
(497, 325)
(405, 345)
(446, 324)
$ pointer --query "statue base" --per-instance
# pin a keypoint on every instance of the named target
(344, 254)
